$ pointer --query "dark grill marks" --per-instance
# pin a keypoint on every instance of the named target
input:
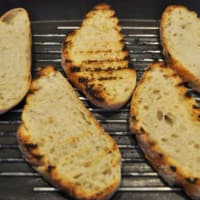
(75, 69)
(31, 147)
(88, 79)
(95, 93)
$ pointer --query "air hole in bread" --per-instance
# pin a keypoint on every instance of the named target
(196, 146)
(168, 119)
(107, 171)
(146, 107)
(183, 26)
(177, 150)
(174, 34)
(174, 135)
(52, 150)
(156, 91)
(77, 175)
(159, 115)
(87, 164)
(164, 139)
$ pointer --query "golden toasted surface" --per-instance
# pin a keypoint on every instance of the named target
(65, 143)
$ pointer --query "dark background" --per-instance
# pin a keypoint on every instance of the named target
(76, 9)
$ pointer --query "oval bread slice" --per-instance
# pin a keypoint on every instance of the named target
(15, 57)
(180, 36)
(166, 122)
(96, 49)
(65, 143)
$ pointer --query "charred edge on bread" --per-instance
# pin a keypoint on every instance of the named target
(162, 65)
(188, 94)
(196, 107)
(50, 168)
(133, 119)
(94, 93)
(32, 91)
(83, 80)
(74, 69)
(181, 84)
(65, 44)
(173, 168)
(192, 180)
(161, 155)
(36, 156)
(153, 143)
(142, 131)
(31, 146)
(67, 60)
(167, 55)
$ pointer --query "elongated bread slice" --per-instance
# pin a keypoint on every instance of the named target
(65, 143)
(15, 57)
(166, 122)
(180, 36)
(98, 48)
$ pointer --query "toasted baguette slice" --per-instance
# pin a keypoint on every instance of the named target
(166, 122)
(65, 143)
(15, 57)
(180, 36)
(92, 51)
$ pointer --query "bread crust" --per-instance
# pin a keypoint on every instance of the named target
(6, 17)
(176, 64)
(31, 153)
(69, 66)
(157, 158)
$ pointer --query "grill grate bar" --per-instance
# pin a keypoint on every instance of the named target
(127, 35)
(9, 146)
(16, 174)
(121, 189)
(132, 60)
(143, 42)
(142, 51)
(127, 42)
(16, 146)
(7, 134)
(19, 160)
(131, 174)
(123, 27)
(11, 160)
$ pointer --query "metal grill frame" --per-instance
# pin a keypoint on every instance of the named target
(139, 180)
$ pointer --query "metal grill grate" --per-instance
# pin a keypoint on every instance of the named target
(139, 180)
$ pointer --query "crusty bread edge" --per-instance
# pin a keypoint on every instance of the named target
(181, 69)
(160, 162)
(6, 16)
(40, 164)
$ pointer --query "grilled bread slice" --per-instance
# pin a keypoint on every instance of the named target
(15, 57)
(65, 143)
(96, 51)
(180, 36)
(166, 122)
